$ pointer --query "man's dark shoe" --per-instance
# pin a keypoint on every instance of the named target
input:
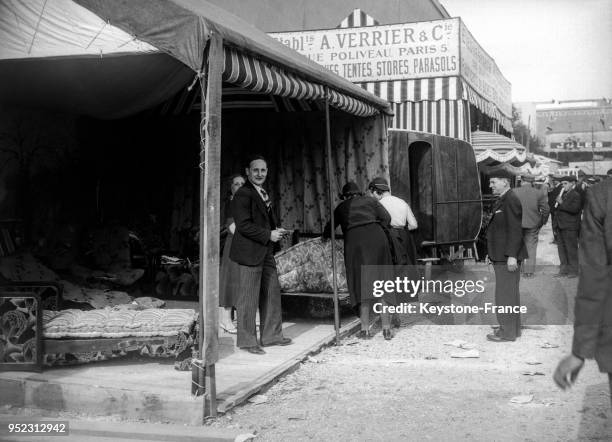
(387, 335)
(256, 350)
(560, 275)
(282, 342)
(364, 334)
(496, 338)
(572, 275)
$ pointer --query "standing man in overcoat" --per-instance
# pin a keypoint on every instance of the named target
(535, 208)
(252, 248)
(506, 249)
(568, 211)
(593, 310)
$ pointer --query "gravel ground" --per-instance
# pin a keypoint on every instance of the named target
(410, 388)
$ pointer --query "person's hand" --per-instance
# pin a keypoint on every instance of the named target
(512, 264)
(232, 228)
(567, 371)
(276, 235)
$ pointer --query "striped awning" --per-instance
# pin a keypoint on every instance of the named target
(358, 18)
(442, 117)
(256, 75)
(433, 105)
(487, 107)
(489, 146)
(431, 89)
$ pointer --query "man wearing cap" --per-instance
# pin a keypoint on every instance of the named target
(402, 221)
(568, 210)
(535, 210)
(506, 249)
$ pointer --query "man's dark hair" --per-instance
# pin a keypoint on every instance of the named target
(255, 157)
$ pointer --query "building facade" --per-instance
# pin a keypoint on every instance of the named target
(576, 130)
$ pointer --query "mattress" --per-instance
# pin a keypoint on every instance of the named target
(117, 323)
(307, 267)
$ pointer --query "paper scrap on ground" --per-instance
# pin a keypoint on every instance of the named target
(245, 437)
(533, 373)
(258, 399)
(549, 345)
(533, 363)
(456, 343)
(466, 354)
(523, 399)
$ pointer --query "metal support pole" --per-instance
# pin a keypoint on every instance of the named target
(330, 174)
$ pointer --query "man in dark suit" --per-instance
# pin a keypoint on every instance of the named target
(593, 310)
(554, 192)
(569, 208)
(506, 249)
(252, 248)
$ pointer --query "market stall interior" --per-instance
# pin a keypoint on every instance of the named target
(103, 103)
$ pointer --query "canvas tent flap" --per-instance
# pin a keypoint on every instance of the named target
(39, 28)
(170, 35)
(182, 28)
(109, 87)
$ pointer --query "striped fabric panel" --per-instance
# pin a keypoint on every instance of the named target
(441, 117)
(249, 73)
(357, 18)
(488, 145)
(422, 89)
(487, 108)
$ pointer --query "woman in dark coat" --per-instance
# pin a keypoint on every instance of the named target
(365, 244)
(228, 283)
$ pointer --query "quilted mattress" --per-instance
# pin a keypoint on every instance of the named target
(307, 267)
(117, 323)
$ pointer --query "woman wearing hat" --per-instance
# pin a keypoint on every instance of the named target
(365, 244)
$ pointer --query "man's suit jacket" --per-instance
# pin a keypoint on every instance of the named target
(593, 310)
(552, 197)
(568, 212)
(504, 232)
(254, 222)
(534, 204)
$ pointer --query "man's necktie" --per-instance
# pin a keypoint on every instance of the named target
(266, 198)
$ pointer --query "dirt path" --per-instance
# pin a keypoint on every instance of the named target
(410, 388)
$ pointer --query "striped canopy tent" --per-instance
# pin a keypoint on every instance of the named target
(113, 58)
(438, 105)
(493, 148)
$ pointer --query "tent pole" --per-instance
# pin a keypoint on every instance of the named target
(210, 160)
(331, 216)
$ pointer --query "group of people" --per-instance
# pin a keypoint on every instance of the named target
(378, 244)
(584, 239)
(376, 228)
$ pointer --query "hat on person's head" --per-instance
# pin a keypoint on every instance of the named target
(592, 180)
(379, 183)
(350, 189)
(501, 173)
(568, 178)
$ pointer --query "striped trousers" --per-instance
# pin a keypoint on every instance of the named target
(259, 287)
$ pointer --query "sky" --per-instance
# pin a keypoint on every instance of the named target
(547, 49)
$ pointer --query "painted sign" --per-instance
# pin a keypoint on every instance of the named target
(580, 145)
(481, 72)
(382, 53)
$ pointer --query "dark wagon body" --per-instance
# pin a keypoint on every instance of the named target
(439, 177)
